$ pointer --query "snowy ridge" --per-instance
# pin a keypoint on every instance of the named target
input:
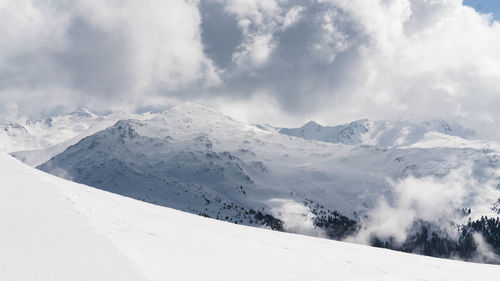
(345, 134)
(35, 142)
(378, 133)
(59, 230)
(27, 135)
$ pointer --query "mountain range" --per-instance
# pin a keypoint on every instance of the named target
(438, 179)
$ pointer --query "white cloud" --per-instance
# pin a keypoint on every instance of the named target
(292, 16)
(331, 40)
(258, 20)
(101, 50)
(423, 57)
(296, 217)
(255, 51)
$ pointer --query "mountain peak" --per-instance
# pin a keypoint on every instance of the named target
(190, 107)
(83, 111)
(312, 124)
(454, 129)
(197, 112)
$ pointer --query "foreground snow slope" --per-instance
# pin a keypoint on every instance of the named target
(53, 229)
(43, 236)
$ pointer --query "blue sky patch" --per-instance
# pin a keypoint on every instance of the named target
(485, 7)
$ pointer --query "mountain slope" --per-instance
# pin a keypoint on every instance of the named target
(35, 142)
(74, 232)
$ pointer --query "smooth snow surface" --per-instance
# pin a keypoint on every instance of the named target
(43, 236)
(53, 229)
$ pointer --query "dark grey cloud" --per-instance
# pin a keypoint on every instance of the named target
(295, 74)
(220, 33)
(96, 61)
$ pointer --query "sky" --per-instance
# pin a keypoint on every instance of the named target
(281, 62)
(485, 7)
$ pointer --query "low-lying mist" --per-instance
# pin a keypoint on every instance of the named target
(434, 216)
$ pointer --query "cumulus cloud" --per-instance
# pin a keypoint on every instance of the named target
(292, 16)
(255, 52)
(329, 60)
(62, 53)
(343, 60)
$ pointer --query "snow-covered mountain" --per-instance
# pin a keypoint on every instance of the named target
(28, 135)
(53, 229)
(195, 159)
(35, 142)
(378, 133)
